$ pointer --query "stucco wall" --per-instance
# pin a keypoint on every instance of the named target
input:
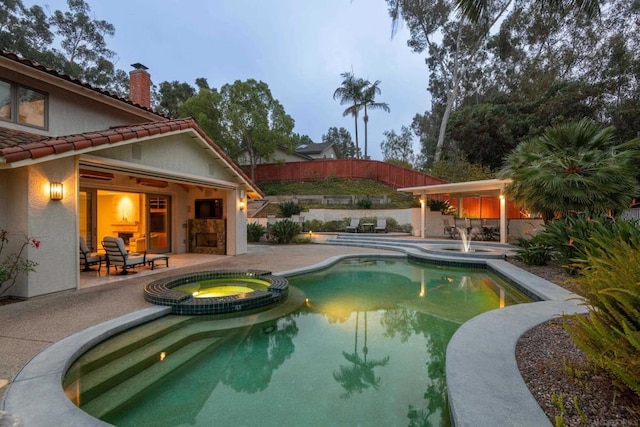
(54, 224)
(176, 153)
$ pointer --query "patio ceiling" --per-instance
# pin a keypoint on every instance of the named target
(488, 187)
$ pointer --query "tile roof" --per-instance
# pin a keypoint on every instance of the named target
(13, 57)
(16, 146)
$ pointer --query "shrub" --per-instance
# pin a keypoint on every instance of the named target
(255, 231)
(284, 231)
(610, 334)
(365, 203)
(14, 264)
(534, 254)
(567, 237)
(289, 208)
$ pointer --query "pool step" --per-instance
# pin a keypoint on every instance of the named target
(126, 342)
(129, 357)
(119, 397)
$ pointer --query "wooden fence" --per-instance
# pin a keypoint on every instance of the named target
(316, 170)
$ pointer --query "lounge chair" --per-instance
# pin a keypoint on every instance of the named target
(381, 225)
(118, 256)
(353, 226)
(88, 258)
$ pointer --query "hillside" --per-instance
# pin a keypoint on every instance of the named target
(335, 187)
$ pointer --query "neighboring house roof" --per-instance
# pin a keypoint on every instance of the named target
(15, 58)
(16, 146)
(314, 148)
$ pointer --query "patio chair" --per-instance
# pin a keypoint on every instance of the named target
(353, 226)
(88, 258)
(118, 256)
(381, 225)
(449, 229)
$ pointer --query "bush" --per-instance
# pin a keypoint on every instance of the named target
(610, 334)
(365, 203)
(14, 264)
(255, 232)
(569, 238)
(289, 208)
(284, 231)
(534, 254)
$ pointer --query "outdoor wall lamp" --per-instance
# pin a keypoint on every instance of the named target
(501, 197)
(241, 205)
(55, 191)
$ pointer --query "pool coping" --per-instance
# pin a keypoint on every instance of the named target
(484, 385)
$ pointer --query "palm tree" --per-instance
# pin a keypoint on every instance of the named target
(351, 91)
(473, 9)
(573, 167)
(368, 101)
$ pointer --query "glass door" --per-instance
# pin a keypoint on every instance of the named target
(87, 218)
(158, 223)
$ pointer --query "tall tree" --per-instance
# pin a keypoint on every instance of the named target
(83, 43)
(398, 147)
(172, 95)
(451, 43)
(369, 102)
(254, 121)
(475, 9)
(350, 92)
(342, 138)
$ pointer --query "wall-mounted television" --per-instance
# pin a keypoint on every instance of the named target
(209, 209)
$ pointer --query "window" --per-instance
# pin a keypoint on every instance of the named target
(20, 104)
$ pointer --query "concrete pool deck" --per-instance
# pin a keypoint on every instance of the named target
(480, 359)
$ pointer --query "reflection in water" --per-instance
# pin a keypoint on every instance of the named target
(260, 353)
(378, 328)
(359, 376)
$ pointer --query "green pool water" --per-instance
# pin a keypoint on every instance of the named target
(367, 348)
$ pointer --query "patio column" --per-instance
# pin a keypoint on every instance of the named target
(423, 213)
(503, 219)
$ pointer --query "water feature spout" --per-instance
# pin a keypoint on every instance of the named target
(466, 240)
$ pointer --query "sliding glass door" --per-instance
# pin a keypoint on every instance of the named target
(159, 223)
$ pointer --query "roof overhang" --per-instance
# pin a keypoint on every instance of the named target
(488, 187)
(79, 89)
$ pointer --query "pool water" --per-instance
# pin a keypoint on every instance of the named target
(366, 348)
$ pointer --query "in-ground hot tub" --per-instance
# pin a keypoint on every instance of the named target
(218, 291)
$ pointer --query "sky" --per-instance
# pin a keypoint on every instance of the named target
(298, 47)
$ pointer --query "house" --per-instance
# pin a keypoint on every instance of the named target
(324, 150)
(77, 161)
(302, 153)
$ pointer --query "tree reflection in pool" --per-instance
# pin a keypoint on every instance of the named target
(367, 348)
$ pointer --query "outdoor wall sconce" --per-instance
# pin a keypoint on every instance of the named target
(241, 205)
(55, 190)
(501, 197)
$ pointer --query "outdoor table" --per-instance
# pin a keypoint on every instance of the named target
(367, 227)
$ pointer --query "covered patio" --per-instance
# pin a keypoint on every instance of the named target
(484, 199)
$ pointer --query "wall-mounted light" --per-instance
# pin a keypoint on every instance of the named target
(55, 191)
(241, 202)
(501, 196)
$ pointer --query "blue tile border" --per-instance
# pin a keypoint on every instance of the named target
(161, 292)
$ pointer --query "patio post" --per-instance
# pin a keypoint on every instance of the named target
(423, 213)
(503, 218)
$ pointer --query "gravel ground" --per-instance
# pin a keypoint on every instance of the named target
(559, 377)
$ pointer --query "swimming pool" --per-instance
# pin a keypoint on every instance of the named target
(366, 347)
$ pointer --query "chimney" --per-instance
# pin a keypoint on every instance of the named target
(140, 85)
